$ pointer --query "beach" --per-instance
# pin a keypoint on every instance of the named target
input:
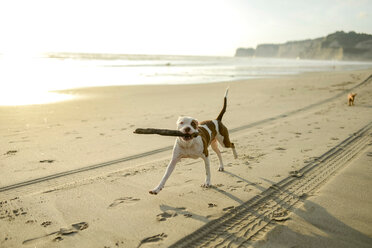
(73, 173)
(335, 216)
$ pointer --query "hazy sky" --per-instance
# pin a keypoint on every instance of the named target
(190, 27)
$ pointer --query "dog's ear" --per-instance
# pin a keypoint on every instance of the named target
(354, 94)
(195, 121)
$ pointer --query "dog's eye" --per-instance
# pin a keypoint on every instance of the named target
(181, 122)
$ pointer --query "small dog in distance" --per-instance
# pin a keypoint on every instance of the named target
(351, 98)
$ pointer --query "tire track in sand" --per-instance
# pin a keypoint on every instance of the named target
(168, 148)
(239, 227)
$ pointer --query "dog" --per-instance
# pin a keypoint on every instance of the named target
(210, 132)
(351, 98)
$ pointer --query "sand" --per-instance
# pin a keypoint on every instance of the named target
(338, 215)
(99, 194)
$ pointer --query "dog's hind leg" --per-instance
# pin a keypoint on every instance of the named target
(214, 146)
(224, 140)
(234, 150)
(231, 145)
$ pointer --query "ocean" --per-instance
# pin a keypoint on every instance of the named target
(33, 75)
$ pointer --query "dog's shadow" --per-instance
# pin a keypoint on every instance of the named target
(231, 196)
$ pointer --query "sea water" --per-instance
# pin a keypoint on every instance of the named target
(22, 76)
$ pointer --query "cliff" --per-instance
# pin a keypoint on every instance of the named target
(338, 46)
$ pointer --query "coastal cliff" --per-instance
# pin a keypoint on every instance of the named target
(336, 46)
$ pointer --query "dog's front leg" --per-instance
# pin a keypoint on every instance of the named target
(168, 172)
(207, 183)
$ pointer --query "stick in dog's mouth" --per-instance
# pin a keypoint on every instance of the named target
(166, 132)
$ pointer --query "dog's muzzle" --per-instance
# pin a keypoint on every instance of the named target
(188, 134)
(187, 137)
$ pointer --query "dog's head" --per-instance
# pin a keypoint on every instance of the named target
(352, 95)
(187, 125)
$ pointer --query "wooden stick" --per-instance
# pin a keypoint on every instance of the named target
(164, 132)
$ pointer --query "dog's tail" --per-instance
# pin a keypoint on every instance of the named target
(219, 118)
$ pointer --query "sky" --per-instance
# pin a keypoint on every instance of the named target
(179, 27)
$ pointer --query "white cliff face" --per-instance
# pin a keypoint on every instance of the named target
(337, 46)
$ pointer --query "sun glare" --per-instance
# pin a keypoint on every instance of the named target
(28, 98)
(23, 83)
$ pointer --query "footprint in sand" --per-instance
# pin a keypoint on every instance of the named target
(62, 232)
(165, 215)
(306, 150)
(46, 223)
(153, 239)
(280, 215)
(19, 141)
(212, 205)
(125, 200)
(47, 161)
(280, 149)
(11, 152)
(70, 231)
(170, 212)
(247, 189)
(295, 174)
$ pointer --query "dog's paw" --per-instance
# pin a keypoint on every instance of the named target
(206, 185)
(235, 154)
(154, 191)
(221, 169)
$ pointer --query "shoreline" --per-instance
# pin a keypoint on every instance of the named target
(113, 202)
(74, 74)
(243, 80)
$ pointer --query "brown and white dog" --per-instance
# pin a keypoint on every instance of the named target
(350, 98)
(210, 132)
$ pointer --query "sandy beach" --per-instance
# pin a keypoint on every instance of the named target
(337, 215)
(73, 174)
